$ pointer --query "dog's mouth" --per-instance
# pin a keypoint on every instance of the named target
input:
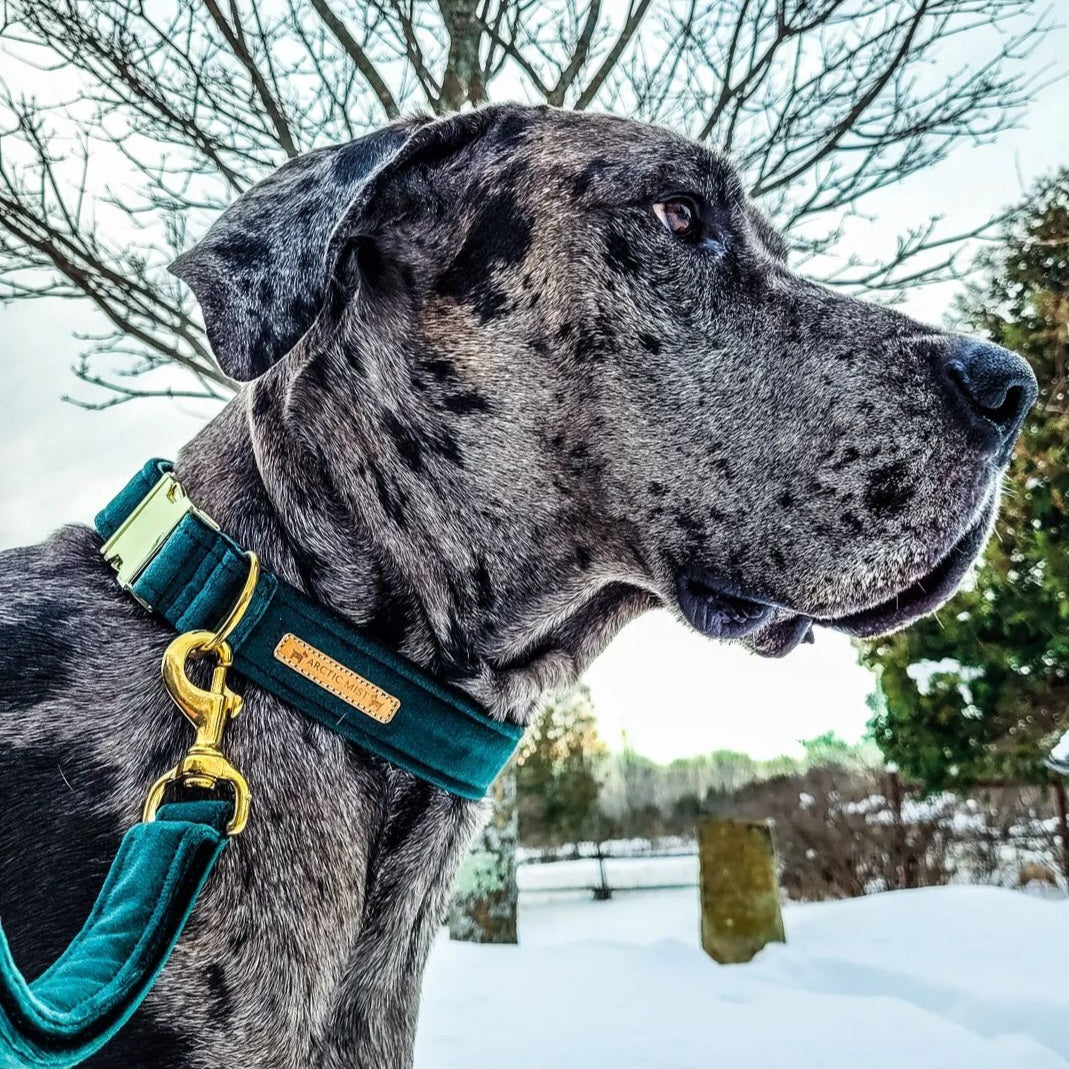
(725, 610)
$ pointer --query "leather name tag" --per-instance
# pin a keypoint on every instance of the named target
(342, 682)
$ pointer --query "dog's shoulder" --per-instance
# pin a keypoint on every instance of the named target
(58, 599)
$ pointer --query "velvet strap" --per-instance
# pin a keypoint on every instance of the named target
(438, 734)
(72, 1009)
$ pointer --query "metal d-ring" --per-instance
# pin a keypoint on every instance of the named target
(237, 611)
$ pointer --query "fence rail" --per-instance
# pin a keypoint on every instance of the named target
(604, 873)
(896, 791)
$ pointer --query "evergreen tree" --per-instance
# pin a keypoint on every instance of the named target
(557, 775)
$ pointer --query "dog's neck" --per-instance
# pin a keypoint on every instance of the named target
(420, 590)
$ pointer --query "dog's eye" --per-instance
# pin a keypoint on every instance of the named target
(680, 217)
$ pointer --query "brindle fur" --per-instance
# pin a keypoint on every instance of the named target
(492, 407)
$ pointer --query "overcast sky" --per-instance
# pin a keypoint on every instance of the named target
(673, 692)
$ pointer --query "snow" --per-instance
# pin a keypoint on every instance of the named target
(941, 978)
(1059, 756)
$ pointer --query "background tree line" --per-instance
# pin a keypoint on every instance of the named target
(571, 788)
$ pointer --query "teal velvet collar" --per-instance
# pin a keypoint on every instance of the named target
(307, 656)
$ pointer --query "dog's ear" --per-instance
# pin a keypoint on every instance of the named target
(266, 266)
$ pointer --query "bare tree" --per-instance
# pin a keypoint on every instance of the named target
(122, 121)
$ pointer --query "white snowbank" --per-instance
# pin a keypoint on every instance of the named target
(942, 978)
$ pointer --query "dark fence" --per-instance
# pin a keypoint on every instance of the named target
(601, 868)
(843, 833)
(897, 791)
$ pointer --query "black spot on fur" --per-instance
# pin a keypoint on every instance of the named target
(889, 491)
(485, 598)
(658, 489)
(458, 659)
(413, 444)
(605, 325)
(245, 250)
(353, 162)
(619, 255)
(491, 302)
(318, 374)
(499, 238)
(406, 816)
(540, 345)
(144, 1043)
(307, 562)
(466, 403)
(354, 358)
(444, 444)
(650, 343)
(56, 796)
(582, 182)
(390, 621)
(263, 397)
(441, 369)
(390, 498)
(583, 557)
(846, 458)
(282, 327)
(308, 209)
(407, 441)
(220, 1003)
(512, 132)
(35, 654)
(692, 527)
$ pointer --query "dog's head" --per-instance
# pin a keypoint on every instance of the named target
(559, 363)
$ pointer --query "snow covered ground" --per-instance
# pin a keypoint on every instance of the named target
(942, 978)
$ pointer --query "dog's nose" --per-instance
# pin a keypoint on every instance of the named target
(992, 390)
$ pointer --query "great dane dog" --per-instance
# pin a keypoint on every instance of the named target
(510, 378)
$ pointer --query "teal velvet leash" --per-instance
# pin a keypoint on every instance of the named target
(72, 1009)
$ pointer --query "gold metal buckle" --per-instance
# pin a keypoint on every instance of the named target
(209, 711)
(143, 533)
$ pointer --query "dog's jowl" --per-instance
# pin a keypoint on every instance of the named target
(509, 379)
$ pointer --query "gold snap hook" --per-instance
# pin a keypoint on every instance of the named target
(209, 711)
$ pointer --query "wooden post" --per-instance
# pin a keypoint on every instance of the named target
(1058, 787)
(907, 863)
(739, 889)
(894, 794)
(603, 892)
